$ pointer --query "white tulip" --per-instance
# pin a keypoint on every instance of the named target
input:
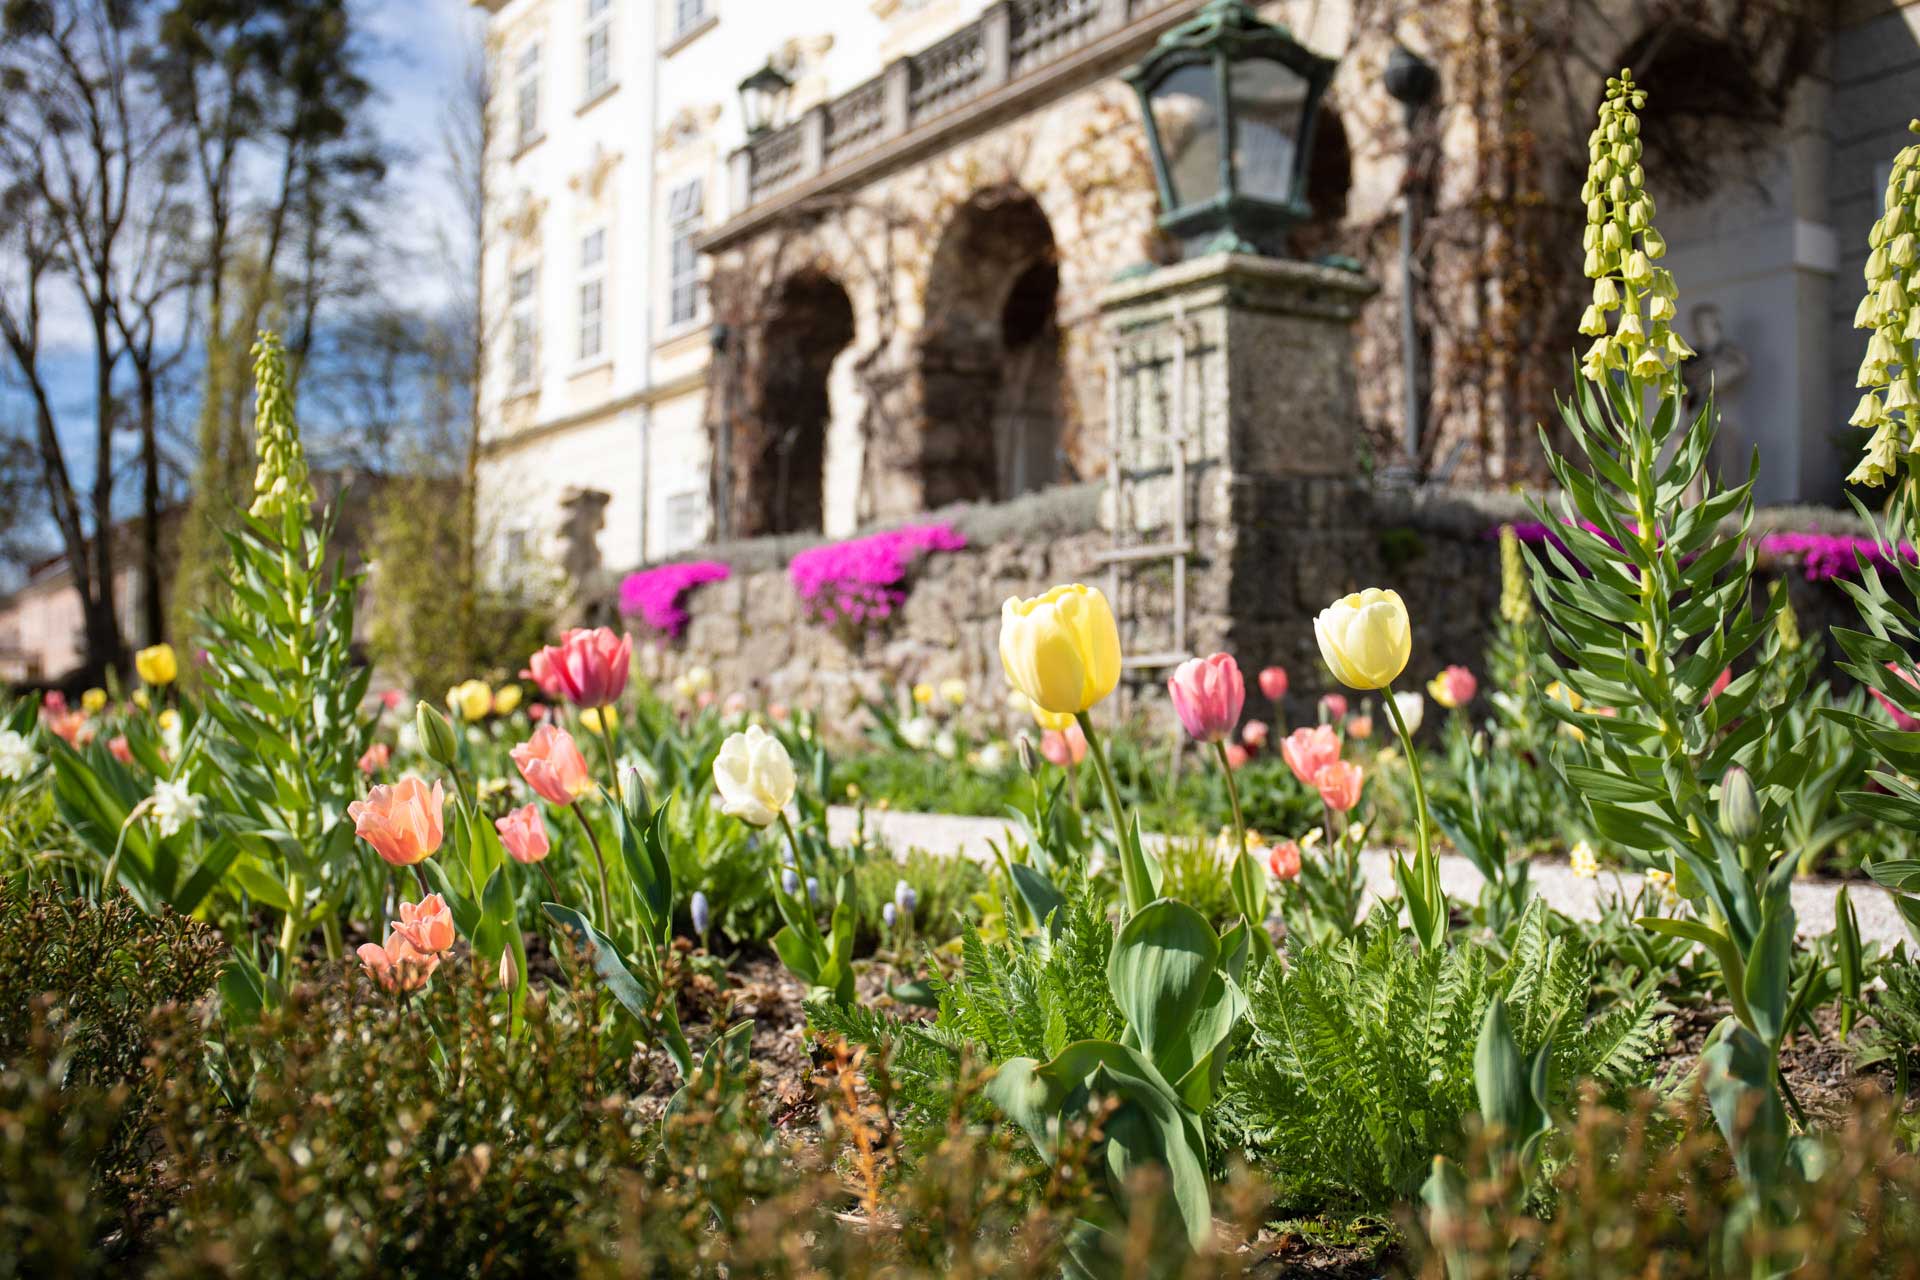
(754, 777)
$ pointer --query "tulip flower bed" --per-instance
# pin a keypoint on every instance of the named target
(581, 976)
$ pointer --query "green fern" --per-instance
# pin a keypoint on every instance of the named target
(1360, 1065)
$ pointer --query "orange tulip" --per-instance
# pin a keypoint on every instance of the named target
(427, 924)
(553, 766)
(398, 965)
(1339, 785)
(402, 822)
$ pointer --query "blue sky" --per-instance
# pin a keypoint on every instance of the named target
(419, 52)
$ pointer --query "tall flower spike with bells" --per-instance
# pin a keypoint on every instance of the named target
(280, 483)
(1889, 383)
(1622, 247)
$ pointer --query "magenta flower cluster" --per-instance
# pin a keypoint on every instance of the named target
(654, 595)
(863, 580)
(1824, 556)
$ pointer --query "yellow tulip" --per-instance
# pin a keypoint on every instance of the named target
(1061, 649)
(954, 690)
(506, 699)
(140, 699)
(590, 718)
(923, 693)
(1365, 638)
(93, 701)
(157, 665)
(472, 699)
(1057, 722)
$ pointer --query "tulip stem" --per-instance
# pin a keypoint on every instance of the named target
(606, 894)
(793, 842)
(1233, 799)
(1136, 894)
(1423, 831)
(606, 743)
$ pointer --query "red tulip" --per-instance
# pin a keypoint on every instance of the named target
(1273, 683)
(587, 668)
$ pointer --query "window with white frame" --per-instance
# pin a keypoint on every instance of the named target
(524, 309)
(688, 14)
(593, 295)
(686, 516)
(683, 260)
(599, 47)
(526, 96)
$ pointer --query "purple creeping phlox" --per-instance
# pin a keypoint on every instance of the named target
(863, 580)
(653, 595)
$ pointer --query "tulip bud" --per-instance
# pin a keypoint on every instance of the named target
(1739, 806)
(436, 735)
(1024, 746)
(509, 975)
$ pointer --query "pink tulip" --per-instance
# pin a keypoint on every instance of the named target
(1360, 728)
(1284, 860)
(1718, 687)
(524, 834)
(70, 726)
(1333, 706)
(398, 965)
(1339, 785)
(427, 924)
(553, 765)
(402, 822)
(120, 749)
(393, 698)
(1273, 683)
(1064, 746)
(1901, 720)
(587, 668)
(1254, 735)
(735, 705)
(53, 703)
(1237, 756)
(375, 758)
(1308, 751)
(1208, 694)
(537, 712)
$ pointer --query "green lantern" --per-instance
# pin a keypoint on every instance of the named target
(1230, 102)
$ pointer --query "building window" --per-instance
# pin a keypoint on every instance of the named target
(599, 47)
(686, 513)
(525, 327)
(687, 14)
(526, 97)
(683, 265)
(593, 265)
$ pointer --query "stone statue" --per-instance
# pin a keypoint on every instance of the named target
(1719, 367)
(586, 515)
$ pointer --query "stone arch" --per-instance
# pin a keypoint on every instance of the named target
(807, 326)
(988, 354)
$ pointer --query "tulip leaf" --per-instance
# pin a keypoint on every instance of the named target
(1159, 972)
(600, 952)
(1038, 894)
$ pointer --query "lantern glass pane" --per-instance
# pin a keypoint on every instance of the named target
(1186, 114)
(1269, 107)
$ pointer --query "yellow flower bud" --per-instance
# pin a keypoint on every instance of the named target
(1902, 395)
(1061, 649)
(1654, 243)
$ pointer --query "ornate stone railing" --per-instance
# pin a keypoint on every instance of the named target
(1011, 41)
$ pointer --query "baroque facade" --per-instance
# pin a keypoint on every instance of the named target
(888, 302)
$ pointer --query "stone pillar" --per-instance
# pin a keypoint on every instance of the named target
(1234, 432)
(583, 515)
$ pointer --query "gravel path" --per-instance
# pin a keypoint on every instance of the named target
(1564, 891)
